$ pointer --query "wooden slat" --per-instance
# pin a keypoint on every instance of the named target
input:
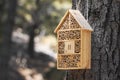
(86, 49)
(70, 29)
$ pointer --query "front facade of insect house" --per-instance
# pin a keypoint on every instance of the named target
(74, 41)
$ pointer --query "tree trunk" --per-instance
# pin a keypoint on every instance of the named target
(8, 27)
(6, 39)
(35, 25)
(2, 3)
(104, 17)
(31, 41)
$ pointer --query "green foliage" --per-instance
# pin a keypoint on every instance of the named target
(46, 13)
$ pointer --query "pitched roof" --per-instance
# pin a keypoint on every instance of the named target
(78, 17)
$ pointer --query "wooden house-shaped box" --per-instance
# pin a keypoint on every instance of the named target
(74, 41)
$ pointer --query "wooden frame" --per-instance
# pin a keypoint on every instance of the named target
(77, 38)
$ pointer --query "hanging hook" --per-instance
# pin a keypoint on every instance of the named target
(87, 9)
(78, 4)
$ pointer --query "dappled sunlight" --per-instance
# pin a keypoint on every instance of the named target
(62, 4)
(18, 61)
(30, 74)
(51, 64)
(29, 49)
(19, 37)
(46, 44)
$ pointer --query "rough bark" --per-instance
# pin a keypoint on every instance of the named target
(104, 17)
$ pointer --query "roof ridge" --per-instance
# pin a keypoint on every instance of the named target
(78, 17)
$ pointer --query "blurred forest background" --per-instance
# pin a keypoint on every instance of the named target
(27, 41)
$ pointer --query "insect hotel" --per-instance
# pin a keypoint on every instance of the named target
(74, 41)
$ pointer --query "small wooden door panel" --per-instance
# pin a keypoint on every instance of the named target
(69, 47)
